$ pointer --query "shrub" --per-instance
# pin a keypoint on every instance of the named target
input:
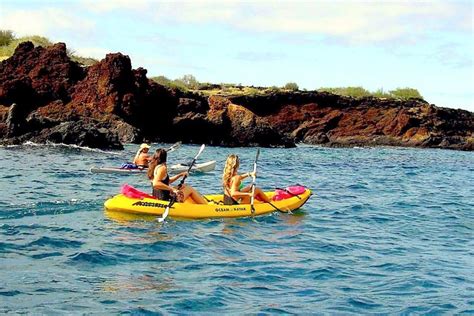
(164, 81)
(161, 80)
(272, 89)
(188, 81)
(8, 44)
(381, 94)
(406, 93)
(6, 37)
(251, 91)
(358, 92)
(291, 86)
(9, 49)
(88, 61)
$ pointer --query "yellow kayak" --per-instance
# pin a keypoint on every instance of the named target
(214, 209)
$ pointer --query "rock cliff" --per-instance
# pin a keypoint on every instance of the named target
(46, 97)
(323, 118)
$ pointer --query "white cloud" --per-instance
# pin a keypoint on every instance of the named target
(104, 6)
(346, 21)
(43, 21)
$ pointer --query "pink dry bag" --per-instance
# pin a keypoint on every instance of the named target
(282, 194)
(133, 193)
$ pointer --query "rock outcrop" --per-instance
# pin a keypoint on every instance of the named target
(46, 97)
(217, 121)
(319, 118)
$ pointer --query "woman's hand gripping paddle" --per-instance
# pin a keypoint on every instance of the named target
(173, 199)
(254, 178)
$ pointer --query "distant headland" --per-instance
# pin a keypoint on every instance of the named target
(45, 96)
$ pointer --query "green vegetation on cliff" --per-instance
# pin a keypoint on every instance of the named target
(9, 42)
(190, 83)
(359, 92)
(291, 86)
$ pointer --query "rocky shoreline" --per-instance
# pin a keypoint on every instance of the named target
(47, 97)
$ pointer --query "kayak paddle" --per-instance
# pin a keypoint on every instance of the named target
(173, 199)
(173, 147)
(252, 197)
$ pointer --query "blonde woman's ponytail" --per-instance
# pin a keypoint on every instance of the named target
(231, 165)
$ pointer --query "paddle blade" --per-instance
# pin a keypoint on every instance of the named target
(258, 154)
(174, 147)
(164, 216)
(200, 151)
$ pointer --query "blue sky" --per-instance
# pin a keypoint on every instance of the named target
(427, 45)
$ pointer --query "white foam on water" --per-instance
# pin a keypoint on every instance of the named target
(50, 144)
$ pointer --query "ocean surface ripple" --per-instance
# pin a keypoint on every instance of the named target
(387, 231)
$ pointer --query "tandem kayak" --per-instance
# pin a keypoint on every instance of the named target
(199, 167)
(214, 209)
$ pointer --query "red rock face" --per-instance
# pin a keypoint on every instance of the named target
(36, 76)
(110, 101)
(111, 90)
(369, 122)
(48, 86)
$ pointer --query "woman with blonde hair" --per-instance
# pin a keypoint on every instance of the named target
(231, 181)
(158, 174)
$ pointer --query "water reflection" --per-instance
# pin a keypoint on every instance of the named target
(128, 218)
(145, 282)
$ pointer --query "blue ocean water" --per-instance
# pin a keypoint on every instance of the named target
(388, 230)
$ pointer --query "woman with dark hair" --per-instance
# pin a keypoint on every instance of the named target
(158, 174)
(234, 192)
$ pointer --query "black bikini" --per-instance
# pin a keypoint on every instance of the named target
(163, 195)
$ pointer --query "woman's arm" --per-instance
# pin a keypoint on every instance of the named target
(244, 175)
(234, 188)
(176, 177)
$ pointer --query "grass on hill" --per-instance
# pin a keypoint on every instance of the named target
(9, 42)
(359, 92)
(190, 83)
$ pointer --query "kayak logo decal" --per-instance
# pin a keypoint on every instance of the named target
(228, 209)
(150, 204)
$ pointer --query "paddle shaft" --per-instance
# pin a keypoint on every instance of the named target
(173, 147)
(254, 179)
(191, 166)
(173, 198)
(276, 208)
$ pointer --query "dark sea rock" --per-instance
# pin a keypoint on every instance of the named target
(217, 121)
(58, 100)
